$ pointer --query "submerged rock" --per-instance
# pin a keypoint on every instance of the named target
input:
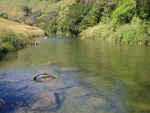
(47, 102)
(78, 91)
(101, 102)
(70, 69)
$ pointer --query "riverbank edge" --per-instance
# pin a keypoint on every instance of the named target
(15, 36)
(4, 51)
(134, 32)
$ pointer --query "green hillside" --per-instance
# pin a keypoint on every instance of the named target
(13, 7)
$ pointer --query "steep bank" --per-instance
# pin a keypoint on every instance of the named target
(14, 36)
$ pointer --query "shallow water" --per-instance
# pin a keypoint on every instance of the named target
(94, 77)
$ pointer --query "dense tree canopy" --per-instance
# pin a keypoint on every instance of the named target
(87, 13)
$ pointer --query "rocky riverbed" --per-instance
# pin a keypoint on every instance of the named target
(57, 95)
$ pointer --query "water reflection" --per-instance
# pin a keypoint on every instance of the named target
(94, 76)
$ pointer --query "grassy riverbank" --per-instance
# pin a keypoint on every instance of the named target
(134, 32)
(117, 20)
(14, 36)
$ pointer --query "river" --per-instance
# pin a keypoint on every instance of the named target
(94, 77)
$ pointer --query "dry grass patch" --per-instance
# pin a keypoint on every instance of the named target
(19, 28)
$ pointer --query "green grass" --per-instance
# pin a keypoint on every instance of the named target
(134, 32)
(14, 36)
(13, 7)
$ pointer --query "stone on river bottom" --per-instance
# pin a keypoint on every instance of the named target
(47, 101)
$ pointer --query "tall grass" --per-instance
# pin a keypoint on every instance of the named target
(134, 32)
(14, 36)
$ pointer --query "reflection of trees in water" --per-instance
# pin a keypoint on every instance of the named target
(139, 94)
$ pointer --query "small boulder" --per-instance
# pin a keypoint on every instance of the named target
(47, 102)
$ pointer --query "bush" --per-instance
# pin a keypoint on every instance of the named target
(30, 20)
(143, 9)
(51, 26)
(76, 17)
(123, 14)
(135, 32)
(8, 47)
(4, 15)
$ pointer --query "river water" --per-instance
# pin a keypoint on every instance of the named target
(94, 77)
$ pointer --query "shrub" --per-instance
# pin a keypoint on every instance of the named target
(51, 26)
(143, 9)
(135, 32)
(4, 15)
(123, 14)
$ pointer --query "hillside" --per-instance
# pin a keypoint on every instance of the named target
(33, 12)
(13, 7)
(103, 18)
(14, 36)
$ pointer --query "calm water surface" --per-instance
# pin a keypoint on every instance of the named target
(94, 77)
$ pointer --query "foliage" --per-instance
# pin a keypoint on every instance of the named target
(117, 19)
(123, 14)
(143, 9)
(51, 26)
(4, 15)
(81, 15)
(26, 10)
(47, 18)
(31, 19)
(136, 32)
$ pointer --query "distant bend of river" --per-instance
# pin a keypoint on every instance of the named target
(94, 77)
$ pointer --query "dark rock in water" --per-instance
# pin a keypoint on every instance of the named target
(47, 102)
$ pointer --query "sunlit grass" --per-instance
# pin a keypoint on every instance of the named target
(131, 33)
(99, 31)
(13, 8)
(18, 28)
(15, 35)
